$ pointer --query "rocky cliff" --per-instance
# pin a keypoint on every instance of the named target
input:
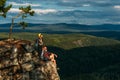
(19, 61)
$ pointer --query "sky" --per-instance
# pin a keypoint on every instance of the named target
(89, 12)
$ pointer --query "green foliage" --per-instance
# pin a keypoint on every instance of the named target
(26, 10)
(24, 14)
(23, 24)
(3, 8)
(2, 2)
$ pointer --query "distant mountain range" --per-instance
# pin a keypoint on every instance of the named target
(62, 27)
(105, 30)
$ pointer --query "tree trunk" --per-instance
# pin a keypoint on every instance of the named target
(12, 24)
(11, 27)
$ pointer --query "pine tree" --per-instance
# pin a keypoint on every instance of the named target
(24, 12)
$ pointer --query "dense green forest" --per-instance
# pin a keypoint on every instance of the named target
(80, 56)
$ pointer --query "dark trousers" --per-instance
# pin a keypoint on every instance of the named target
(39, 49)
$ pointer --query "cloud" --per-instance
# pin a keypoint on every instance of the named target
(86, 5)
(117, 6)
(66, 1)
(45, 11)
(23, 4)
(14, 10)
(81, 11)
(37, 11)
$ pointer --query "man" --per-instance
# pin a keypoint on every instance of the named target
(40, 39)
(39, 43)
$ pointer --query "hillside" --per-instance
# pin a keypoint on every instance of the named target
(80, 56)
(66, 41)
(105, 30)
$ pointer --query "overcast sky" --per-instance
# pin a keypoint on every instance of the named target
(90, 12)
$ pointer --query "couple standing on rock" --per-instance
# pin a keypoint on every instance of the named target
(42, 50)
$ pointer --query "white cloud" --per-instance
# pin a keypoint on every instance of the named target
(37, 11)
(86, 5)
(24, 4)
(117, 6)
(14, 10)
(45, 11)
(65, 1)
